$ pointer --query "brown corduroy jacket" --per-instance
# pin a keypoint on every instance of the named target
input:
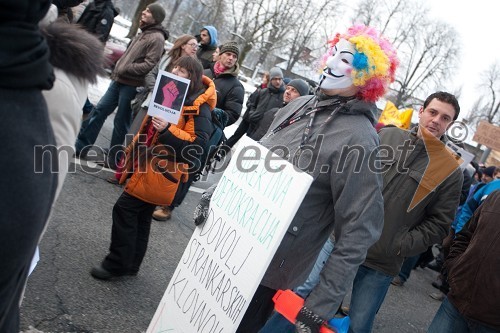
(142, 54)
(474, 265)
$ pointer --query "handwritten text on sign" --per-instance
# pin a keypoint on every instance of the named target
(227, 256)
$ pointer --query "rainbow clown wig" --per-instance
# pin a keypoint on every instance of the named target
(374, 63)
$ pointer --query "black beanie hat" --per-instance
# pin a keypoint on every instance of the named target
(301, 86)
(158, 12)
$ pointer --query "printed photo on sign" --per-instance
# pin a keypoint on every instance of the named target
(168, 96)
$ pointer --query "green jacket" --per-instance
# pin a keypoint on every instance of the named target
(408, 233)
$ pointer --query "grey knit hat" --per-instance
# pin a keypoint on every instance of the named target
(301, 86)
(275, 72)
(158, 12)
(230, 47)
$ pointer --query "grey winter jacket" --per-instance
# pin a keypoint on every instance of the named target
(406, 234)
(345, 198)
(140, 57)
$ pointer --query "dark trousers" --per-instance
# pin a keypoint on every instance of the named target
(87, 107)
(118, 95)
(129, 235)
(27, 192)
(260, 309)
(408, 265)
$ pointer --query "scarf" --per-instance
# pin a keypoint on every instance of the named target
(219, 69)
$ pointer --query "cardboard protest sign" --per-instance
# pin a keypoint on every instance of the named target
(227, 256)
(391, 115)
(168, 96)
(488, 134)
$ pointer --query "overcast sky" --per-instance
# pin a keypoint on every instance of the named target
(478, 23)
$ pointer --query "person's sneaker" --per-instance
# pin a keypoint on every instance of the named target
(397, 281)
(162, 214)
(439, 296)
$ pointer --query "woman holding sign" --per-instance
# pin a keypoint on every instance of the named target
(185, 45)
(160, 171)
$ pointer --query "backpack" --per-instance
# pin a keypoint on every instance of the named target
(98, 19)
(215, 144)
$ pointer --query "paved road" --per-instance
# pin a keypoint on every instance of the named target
(61, 296)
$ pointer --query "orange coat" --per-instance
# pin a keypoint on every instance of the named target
(158, 180)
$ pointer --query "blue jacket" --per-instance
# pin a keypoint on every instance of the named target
(213, 35)
(205, 52)
(472, 204)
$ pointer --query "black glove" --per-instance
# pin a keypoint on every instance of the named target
(307, 321)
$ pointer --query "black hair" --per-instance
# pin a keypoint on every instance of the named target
(444, 97)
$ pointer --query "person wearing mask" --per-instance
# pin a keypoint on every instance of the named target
(409, 227)
(344, 116)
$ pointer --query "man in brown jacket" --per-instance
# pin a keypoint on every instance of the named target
(473, 303)
(140, 57)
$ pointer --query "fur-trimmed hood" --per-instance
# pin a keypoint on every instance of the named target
(74, 50)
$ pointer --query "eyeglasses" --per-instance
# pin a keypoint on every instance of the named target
(194, 45)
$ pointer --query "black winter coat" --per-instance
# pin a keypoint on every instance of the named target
(98, 17)
(267, 99)
(24, 54)
(230, 92)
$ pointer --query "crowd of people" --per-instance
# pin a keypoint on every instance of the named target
(365, 225)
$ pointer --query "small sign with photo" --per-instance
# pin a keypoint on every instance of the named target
(169, 95)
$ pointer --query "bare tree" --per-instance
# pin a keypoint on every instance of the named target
(173, 12)
(487, 106)
(303, 34)
(261, 22)
(428, 50)
(427, 61)
(137, 17)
